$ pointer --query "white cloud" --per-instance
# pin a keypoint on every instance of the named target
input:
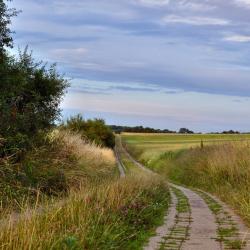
(196, 20)
(195, 6)
(237, 38)
(154, 3)
(66, 54)
(245, 3)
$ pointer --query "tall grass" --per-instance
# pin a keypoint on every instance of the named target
(92, 162)
(100, 210)
(62, 163)
(221, 169)
(115, 215)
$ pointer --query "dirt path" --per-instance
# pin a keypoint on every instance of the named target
(121, 167)
(197, 221)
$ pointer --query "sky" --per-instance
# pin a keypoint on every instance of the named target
(159, 63)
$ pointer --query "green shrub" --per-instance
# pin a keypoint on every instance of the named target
(94, 130)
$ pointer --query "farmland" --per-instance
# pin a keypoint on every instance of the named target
(152, 145)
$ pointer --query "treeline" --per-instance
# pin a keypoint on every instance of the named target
(138, 129)
(227, 132)
(141, 129)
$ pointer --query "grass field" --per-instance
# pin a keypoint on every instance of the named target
(220, 164)
(153, 145)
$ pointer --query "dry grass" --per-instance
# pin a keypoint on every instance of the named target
(83, 150)
(63, 163)
(92, 161)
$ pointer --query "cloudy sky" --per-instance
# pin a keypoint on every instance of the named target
(160, 63)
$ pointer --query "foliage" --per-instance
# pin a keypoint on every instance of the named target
(94, 130)
(30, 95)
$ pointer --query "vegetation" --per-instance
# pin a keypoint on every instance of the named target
(29, 101)
(185, 131)
(101, 211)
(59, 186)
(138, 129)
(95, 218)
(93, 130)
(62, 163)
(221, 166)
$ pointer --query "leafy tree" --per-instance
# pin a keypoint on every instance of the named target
(30, 94)
(94, 130)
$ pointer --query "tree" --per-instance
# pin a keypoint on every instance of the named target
(30, 95)
(6, 14)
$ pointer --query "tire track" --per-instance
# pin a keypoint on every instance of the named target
(165, 229)
(203, 228)
(180, 231)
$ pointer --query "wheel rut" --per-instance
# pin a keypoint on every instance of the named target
(203, 228)
(179, 233)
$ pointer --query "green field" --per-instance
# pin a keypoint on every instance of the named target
(152, 145)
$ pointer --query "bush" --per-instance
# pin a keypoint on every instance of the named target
(62, 162)
(94, 130)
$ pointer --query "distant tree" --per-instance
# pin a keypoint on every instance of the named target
(94, 130)
(231, 132)
(185, 131)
